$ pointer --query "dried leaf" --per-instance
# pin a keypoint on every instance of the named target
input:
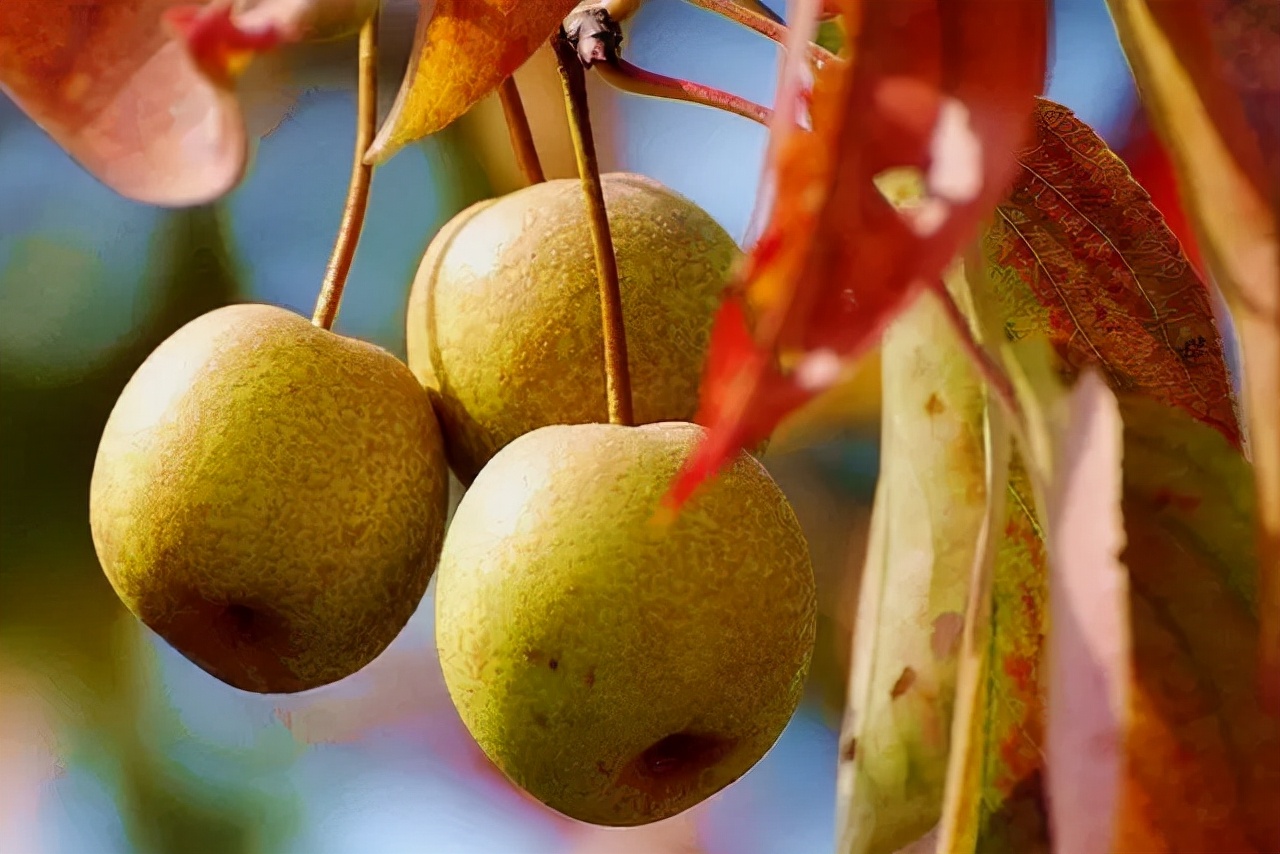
(107, 82)
(1089, 653)
(1079, 252)
(930, 499)
(1211, 86)
(462, 50)
(920, 86)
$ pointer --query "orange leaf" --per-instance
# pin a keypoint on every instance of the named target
(1211, 86)
(921, 87)
(462, 51)
(1155, 739)
(106, 81)
(1202, 757)
(1078, 251)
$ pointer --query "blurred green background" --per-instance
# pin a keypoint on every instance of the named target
(114, 744)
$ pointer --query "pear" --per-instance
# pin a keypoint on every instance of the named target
(270, 498)
(504, 315)
(618, 671)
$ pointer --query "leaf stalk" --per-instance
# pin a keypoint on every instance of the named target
(625, 76)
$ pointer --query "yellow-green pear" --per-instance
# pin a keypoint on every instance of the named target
(270, 498)
(504, 321)
(619, 671)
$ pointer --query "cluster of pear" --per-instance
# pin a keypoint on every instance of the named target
(271, 498)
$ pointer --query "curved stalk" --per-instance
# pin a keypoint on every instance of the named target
(617, 373)
(627, 77)
(521, 134)
(762, 24)
(344, 246)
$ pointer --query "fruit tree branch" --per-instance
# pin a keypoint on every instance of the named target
(617, 374)
(344, 246)
(521, 134)
(753, 20)
(639, 81)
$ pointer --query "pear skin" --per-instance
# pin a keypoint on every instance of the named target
(270, 498)
(504, 322)
(618, 671)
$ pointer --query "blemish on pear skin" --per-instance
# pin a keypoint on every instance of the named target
(589, 678)
(904, 683)
(934, 405)
(850, 750)
(553, 664)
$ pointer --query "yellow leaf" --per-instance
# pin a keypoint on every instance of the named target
(462, 51)
(930, 499)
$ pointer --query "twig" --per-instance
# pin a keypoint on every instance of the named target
(344, 246)
(639, 81)
(617, 374)
(521, 134)
(762, 24)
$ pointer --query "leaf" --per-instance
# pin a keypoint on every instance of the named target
(143, 93)
(1203, 757)
(1079, 252)
(1089, 649)
(919, 85)
(462, 51)
(309, 20)
(1207, 73)
(930, 498)
(105, 80)
(994, 799)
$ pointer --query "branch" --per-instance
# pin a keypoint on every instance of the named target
(622, 75)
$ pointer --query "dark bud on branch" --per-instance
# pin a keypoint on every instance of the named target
(594, 34)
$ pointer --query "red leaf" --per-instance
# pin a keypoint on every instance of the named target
(946, 87)
(140, 92)
(219, 44)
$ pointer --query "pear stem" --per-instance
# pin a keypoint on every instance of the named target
(344, 246)
(627, 77)
(617, 374)
(521, 134)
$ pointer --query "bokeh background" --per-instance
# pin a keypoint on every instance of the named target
(111, 743)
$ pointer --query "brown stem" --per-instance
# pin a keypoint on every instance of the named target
(617, 374)
(639, 81)
(521, 134)
(344, 246)
(753, 20)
